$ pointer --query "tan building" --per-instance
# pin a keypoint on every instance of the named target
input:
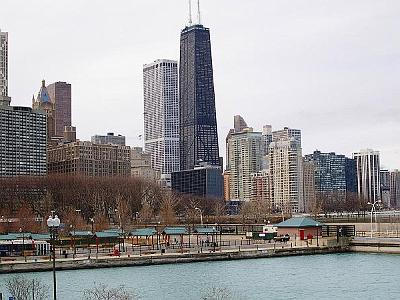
(89, 159)
(245, 158)
(285, 165)
(141, 165)
(260, 188)
(227, 194)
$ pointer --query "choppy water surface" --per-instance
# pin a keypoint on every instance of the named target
(333, 276)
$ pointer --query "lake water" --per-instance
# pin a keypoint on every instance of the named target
(332, 276)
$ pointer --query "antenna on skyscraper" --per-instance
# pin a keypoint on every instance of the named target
(190, 12)
(198, 12)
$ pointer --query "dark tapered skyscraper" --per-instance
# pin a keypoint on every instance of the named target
(198, 121)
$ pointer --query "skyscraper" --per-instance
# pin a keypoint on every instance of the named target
(310, 203)
(351, 175)
(368, 174)
(22, 141)
(238, 125)
(198, 121)
(395, 189)
(43, 103)
(60, 95)
(286, 170)
(245, 154)
(4, 69)
(161, 116)
(385, 187)
(330, 172)
(286, 173)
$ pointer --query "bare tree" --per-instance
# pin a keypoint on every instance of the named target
(101, 222)
(103, 292)
(74, 220)
(168, 209)
(146, 212)
(27, 219)
(22, 288)
(123, 211)
(219, 208)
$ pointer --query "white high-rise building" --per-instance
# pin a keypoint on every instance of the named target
(161, 116)
(368, 174)
(245, 157)
(4, 99)
(286, 170)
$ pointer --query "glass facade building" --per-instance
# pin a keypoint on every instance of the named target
(198, 121)
(333, 172)
(205, 181)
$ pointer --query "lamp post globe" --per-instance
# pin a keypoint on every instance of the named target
(50, 221)
(56, 221)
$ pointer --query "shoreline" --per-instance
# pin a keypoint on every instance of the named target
(159, 259)
(363, 245)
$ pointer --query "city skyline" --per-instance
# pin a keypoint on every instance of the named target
(351, 57)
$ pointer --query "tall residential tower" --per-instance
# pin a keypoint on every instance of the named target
(60, 95)
(368, 174)
(286, 170)
(4, 68)
(161, 116)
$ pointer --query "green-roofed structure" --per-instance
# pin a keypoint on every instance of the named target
(302, 227)
(41, 236)
(143, 236)
(143, 232)
(175, 231)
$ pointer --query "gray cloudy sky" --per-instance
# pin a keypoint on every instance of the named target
(329, 68)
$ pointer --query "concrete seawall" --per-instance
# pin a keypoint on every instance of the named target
(145, 260)
(375, 245)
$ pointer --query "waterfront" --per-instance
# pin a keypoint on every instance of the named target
(330, 276)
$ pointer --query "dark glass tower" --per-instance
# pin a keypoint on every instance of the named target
(198, 121)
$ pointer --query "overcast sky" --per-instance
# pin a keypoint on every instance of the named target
(329, 68)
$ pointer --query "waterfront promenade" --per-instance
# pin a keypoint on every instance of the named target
(148, 256)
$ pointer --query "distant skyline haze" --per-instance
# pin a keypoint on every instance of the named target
(329, 68)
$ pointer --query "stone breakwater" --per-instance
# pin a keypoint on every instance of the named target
(145, 260)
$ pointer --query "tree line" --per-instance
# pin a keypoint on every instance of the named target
(81, 200)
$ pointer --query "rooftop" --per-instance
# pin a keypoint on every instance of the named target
(299, 222)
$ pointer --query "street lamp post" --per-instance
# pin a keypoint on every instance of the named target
(53, 222)
(23, 243)
(92, 221)
(373, 210)
(201, 215)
